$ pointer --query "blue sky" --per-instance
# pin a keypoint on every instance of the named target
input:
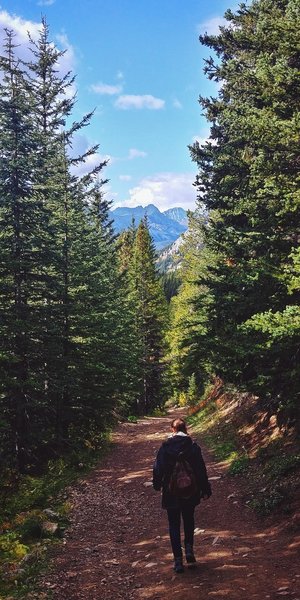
(139, 63)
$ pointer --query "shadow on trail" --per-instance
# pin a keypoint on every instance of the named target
(118, 545)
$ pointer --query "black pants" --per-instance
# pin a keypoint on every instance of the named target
(174, 517)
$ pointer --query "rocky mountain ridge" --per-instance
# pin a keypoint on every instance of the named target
(165, 227)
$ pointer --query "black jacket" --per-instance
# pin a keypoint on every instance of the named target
(164, 465)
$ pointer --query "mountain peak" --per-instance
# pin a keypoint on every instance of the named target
(151, 208)
(177, 214)
(165, 227)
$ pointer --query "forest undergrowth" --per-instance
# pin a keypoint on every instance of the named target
(246, 437)
(35, 513)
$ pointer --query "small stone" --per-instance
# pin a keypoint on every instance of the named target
(215, 540)
(198, 531)
(147, 484)
(50, 528)
(150, 564)
(51, 513)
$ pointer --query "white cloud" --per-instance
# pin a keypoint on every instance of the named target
(106, 89)
(212, 26)
(80, 145)
(46, 2)
(88, 165)
(125, 177)
(134, 153)
(177, 103)
(67, 61)
(138, 102)
(165, 190)
(202, 139)
(21, 28)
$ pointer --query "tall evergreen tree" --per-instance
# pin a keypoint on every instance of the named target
(132, 342)
(66, 196)
(24, 236)
(189, 337)
(45, 259)
(249, 181)
(151, 315)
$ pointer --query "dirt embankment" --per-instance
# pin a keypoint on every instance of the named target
(118, 545)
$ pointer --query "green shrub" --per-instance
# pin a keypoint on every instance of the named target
(239, 465)
(268, 500)
(132, 419)
(280, 465)
(159, 412)
(11, 548)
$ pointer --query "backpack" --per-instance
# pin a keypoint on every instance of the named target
(183, 480)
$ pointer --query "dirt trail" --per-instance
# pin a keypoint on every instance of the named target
(118, 546)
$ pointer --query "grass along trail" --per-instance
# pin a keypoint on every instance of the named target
(118, 546)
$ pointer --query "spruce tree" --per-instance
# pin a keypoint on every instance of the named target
(248, 181)
(151, 316)
(189, 337)
(64, 195)
(24, 261)
(44, 218)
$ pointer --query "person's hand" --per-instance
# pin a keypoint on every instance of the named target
(157, 487)
(207, 493)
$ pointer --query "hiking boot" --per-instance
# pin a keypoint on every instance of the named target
(178, 566)
(189, 555)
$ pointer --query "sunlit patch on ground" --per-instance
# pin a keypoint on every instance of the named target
(118, 545)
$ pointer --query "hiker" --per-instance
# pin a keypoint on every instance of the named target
(180, 446)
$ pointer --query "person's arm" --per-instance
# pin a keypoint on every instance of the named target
(158, 470)
(205, 486)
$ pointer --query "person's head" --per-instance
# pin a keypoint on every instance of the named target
(178, 425)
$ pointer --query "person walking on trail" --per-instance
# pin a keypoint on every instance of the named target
(179, 470)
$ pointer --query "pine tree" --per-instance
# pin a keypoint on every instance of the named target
(44, 217)
(24, 235)
(98, 330)
(65, 196)
(193, 394)
(189, 337)
(132, 340)
(248, 180)
(151, 315)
